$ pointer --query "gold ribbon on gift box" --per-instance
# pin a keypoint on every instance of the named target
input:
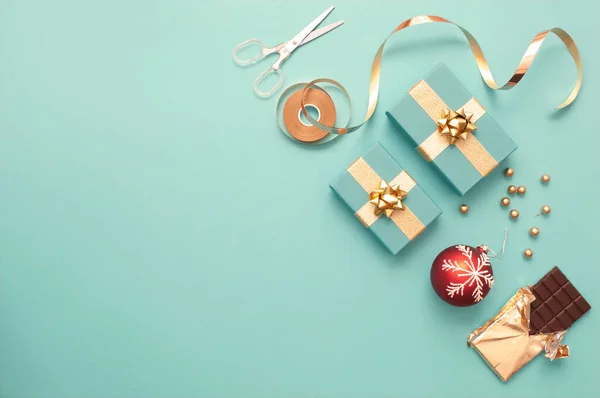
(377, 188)
(454, 128)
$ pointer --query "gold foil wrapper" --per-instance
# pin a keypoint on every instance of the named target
(504, 341)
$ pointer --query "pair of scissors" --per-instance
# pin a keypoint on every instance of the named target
(284, 49)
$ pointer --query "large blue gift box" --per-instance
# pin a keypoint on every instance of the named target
(385, 198)
(451, 129)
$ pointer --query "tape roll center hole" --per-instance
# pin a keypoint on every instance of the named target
(312, 110)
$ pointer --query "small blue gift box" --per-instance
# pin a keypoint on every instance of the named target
(385, 198)
(451, 129)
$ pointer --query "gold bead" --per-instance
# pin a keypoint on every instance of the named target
(534, 231)
(505, 202)
(509, 172)
(521, 190)
(545, 178)
(546, 209)
(512, 189)
(514, 214)
(528, 253)
(464, 209)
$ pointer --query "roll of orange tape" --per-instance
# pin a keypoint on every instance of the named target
(292, 109)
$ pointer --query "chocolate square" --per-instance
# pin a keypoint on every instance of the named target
(554, 304)
(565, 319)
(563, 297)
(574, 311)
(545, 312)
(582, 304)
(558, 304)
(551, 284)
(555, 325)
(571, 291)
(558, 276)
(544, 329)
(536, 321)
(541, 291)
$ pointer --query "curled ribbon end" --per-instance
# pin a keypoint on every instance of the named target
(572, 96)
(568, 101)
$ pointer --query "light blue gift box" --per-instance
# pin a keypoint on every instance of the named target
(411, 117)
(353, 186)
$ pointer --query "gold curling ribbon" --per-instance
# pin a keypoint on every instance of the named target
(504, 341)
(433, 145)
(369, 180)
(482, 64)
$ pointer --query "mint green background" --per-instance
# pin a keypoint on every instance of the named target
(142, 253)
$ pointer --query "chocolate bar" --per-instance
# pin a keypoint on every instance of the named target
(557, 304)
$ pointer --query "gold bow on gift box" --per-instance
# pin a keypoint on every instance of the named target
(453, 128)
(386, 198)
(504, 341)
(456, 124)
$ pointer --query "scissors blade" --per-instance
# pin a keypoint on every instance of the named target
(299, 38)
(321, 31)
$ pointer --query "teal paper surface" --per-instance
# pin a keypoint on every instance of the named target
(410, 118)
(355, 197)
(143, 253)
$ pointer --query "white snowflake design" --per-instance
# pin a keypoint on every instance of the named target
(476, 274)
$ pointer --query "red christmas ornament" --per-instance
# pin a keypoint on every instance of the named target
(462, 275)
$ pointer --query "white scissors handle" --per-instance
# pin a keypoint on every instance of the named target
(264, 51)
(273, 69)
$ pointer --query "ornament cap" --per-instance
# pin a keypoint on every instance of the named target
(483, 249)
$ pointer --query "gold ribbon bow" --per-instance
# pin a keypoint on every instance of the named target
(456, 124)
(386, 198)
(454, 128)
